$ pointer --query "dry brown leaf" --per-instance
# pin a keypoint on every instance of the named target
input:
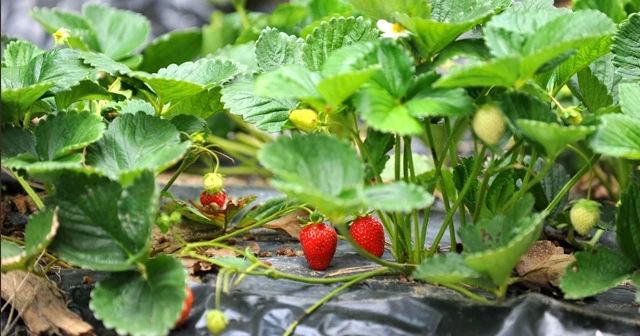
(255, 248)
(41, 306)
(289, 223)
(544, 264)
(196, 265)
(213, 252)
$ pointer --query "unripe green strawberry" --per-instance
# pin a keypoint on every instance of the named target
(216, 322)
(304, 119)
(319, 244)
(585, 215)
(488, 124)
(369, 234)
(213, 182)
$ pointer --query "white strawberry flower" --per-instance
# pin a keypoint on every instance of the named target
(392, 30)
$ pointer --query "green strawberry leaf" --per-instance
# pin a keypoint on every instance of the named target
(450, 269)
(383, 9)
(203, 105)
(327, 183)
(323, 8)
(553, 137)
(499, 261)
(398, 196)
(60, 134)
(617, 136)
(85, 90)
(157, 296)
(288, 17)
(613, 9)
(175, 47)
(537, 37)
(332, 35)
(497, 72)
(461, 173)
(118, 32)
(55, 70)
(628, 221)
(268, 114)
(41, 229)
(501, 187)
(16, 141)
(133, 106)
(231, 263)
(549, 186)
(625, 49)
(333, 184)
(52, 144)
(585, 55)
(518, 105)
(377, 144)
(275, 49)
(243, 54)
(630, 99)
(61, 66)
(103, 225)
(291, 81)
(426, 100)
(449, 20)
(102, 62)
(396, 69)
(595, 94)
(594, 272)
(355, 56)
(383, 112)
(16, 101)
(190, 124)
(336, 89)
(134, 142)
(176, 82)
(20, 53)
(494, 245)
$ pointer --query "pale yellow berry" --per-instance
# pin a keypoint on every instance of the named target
(305, 119)
(489, 124)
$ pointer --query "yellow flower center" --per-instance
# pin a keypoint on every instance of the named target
(397, 28)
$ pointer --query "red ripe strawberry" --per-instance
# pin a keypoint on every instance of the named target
(187, 308)
(217, 198)
(369, 234)
(319, 244)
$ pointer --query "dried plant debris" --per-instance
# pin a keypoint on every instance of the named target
(544, 264)
(41, 306)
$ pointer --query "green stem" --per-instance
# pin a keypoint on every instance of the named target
(244, 18)
(476, 169)
(329, 296)
(556, 200)
(186, 162)
(526, 185)
(595, 237)
(219, 279)
(483, 190)
(468, 293)
(34, 196)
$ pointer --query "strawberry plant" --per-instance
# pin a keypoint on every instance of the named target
(335, 99)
